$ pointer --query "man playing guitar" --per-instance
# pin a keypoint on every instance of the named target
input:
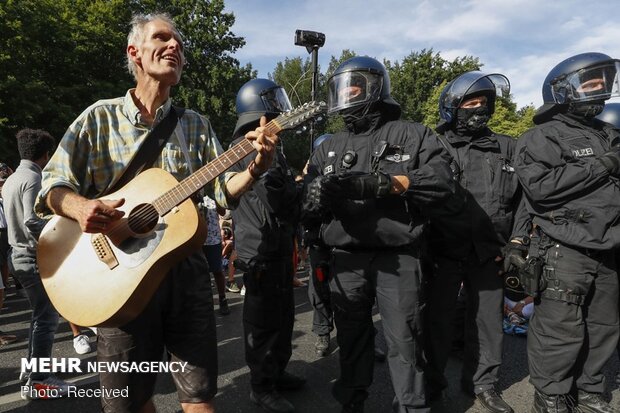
(91, 158)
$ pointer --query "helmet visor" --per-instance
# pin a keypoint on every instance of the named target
(276, 100)
(502, 85)
(591, 83)
(350, 89)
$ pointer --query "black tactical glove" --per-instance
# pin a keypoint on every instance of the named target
(514, 255)
(321, 193)
(611, 161)
(365, 186)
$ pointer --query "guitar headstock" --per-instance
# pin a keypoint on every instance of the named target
(299, 115)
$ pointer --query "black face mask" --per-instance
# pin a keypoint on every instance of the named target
(361, 119)
(472, 121)
(586, 110)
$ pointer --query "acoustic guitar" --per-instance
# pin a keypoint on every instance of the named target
(107, 280)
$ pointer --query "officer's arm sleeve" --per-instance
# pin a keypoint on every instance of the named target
(309, 216)
(550, 180)
(522, 225)
(431, 182)
(278, 192)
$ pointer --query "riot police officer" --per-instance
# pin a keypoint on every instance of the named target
(468, 249)
(318, 288)
(611, 115)
(368, 186)
(568, 166)
(265, 222)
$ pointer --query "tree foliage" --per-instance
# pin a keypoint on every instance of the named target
(415, 78)
(57, 57)
(295, 76)
(60, 56)
(508, 121)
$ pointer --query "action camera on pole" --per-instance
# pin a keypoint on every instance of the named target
(312, 41)
(309, 39)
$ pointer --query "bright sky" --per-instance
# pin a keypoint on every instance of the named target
(523, 39)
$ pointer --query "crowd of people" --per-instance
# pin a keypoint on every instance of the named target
(524, 233)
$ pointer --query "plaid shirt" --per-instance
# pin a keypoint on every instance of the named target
(102, 140)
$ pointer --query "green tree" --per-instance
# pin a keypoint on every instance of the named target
(431, 106)
(295, 76)
(526, 119)
(419, 74)
(60, 56)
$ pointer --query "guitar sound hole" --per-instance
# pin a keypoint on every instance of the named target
(143, 218)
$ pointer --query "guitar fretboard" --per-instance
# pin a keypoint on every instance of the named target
(192, 184)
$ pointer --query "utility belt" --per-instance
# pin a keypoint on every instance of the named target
(538, 276)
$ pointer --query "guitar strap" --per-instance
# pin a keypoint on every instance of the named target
(150, 149)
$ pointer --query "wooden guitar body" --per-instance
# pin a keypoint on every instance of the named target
(86, 290)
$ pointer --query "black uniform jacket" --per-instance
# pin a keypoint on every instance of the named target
(396, 220)
(569, 193)
(483, 167)
(268, 214)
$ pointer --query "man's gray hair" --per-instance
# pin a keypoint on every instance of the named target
(136, 34)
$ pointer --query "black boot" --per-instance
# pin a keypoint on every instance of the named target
(592, 403)
(493, 402)
(549, 404)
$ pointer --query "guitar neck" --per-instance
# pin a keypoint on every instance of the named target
(193, 183)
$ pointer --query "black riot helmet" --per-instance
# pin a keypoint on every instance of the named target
(582, 81)
(611, 114)
(356, 85)
(469, 85)
(256, 98)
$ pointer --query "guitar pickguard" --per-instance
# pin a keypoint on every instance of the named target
(134, 251)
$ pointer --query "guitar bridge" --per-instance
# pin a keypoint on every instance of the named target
(104, 251)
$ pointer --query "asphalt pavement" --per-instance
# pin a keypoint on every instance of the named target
(233, 384)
